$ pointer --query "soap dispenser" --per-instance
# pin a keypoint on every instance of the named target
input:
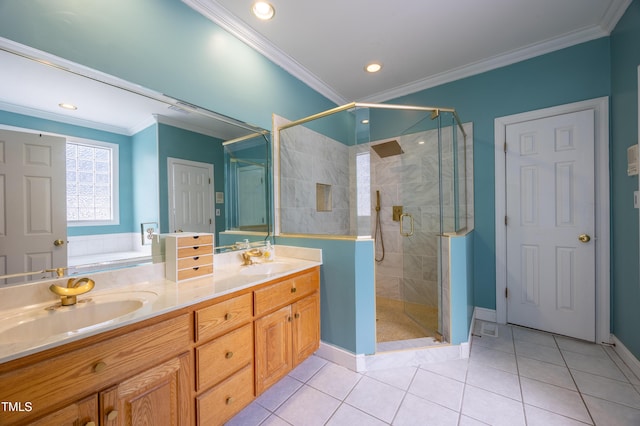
(268, 252)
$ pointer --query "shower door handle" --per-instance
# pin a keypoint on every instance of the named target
(410, 233)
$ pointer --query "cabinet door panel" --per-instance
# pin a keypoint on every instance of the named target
(158, 396)
(76, 414)
(306, 327)
(273, 348)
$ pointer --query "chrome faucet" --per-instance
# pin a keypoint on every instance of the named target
(68, 295)
(247, 255)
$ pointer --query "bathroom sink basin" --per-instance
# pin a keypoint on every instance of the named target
(90, 311)
(269, 268)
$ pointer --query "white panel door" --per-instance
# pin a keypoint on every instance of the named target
(32, 203)
(550, 224)
(191, 196)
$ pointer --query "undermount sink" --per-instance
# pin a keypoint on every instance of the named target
(269, 268)
(90, 311)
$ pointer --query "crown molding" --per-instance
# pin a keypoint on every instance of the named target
(213, 11)
(495, 62)
(613, 15)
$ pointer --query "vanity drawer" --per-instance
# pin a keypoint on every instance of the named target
(224, 355)
(198, 271)
(195, 240)
(75, 374)
(226, 399)
(284, 293)
(216, 319)
(194, 251)
(191, 262)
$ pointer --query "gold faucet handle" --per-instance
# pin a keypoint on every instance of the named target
(59, 271)
(73, 289)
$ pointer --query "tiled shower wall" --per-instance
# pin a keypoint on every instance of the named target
(306, 159)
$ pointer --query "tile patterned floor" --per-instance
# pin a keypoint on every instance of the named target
(519, 377)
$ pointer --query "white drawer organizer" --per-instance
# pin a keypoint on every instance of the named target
(188, 255)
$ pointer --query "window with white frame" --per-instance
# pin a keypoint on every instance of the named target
(92, 183)
(363, 183)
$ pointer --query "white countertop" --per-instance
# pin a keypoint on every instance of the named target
(166, 296)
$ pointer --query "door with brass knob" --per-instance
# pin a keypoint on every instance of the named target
(32, 222)
(584, 238)
(549, 207)
(58, 243)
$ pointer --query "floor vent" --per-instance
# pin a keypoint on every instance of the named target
(489, 329)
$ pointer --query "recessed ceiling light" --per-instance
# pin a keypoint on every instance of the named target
(68, 106)
(365, 121)
(263, 10)
(421, 143)
(373, 67)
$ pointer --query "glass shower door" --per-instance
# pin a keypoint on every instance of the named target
(420, 229)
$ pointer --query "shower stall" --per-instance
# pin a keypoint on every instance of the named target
(397, 174)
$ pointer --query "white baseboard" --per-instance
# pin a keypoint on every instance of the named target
(625, 354)
(353, 362)
(384, 360)
(485, 314)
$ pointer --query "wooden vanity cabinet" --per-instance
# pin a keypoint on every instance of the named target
(287, 336)
(199, 365)
(59, 383)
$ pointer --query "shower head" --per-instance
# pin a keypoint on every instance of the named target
(387, 149)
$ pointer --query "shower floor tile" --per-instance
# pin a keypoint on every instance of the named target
(392, 324)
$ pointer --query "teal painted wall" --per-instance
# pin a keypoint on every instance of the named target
(569, 75)
(625, 282)
(166, 46)
(125, 166)
(186, 145)
(347, 292)
(145, 183)
(461, 278)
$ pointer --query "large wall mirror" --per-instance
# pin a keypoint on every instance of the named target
(91, 167)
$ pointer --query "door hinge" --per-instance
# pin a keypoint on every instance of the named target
(506, 221)
(209, 181)
(210, 221)
(506, 292)
(505, 147)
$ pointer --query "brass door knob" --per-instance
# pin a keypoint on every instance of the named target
(58, 243)
(584, 238)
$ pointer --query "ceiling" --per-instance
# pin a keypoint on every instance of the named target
(421, 43)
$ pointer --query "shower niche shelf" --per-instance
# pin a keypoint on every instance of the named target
(323, 197)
